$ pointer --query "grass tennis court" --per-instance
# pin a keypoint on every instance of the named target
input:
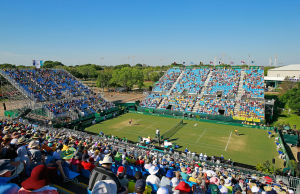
(251, 147)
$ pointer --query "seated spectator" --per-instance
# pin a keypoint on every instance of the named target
(39, 180)
(104, 173)
(184, 174)
(105, 187)
(140, 186)
(183, 188)
(35, 155)
(152, 179)
(88, 164)
(122, 177)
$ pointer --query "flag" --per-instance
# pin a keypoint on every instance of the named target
(37, 63)
(243, 62)
(231, 62)
(211, 62)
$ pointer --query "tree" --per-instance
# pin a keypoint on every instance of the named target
(266, 69)
(291, 98)
(138, 77)
(7, 66)
(104, 78)
(52, 64)
(122, 77)
(154, 76)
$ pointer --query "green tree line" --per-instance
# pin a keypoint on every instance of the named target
(124, 75)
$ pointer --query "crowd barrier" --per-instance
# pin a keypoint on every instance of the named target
(219, 119)
(12, 113)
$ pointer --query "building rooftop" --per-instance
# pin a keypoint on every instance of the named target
(292, 67)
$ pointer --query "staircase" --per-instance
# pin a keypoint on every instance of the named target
(175, 83)
(196, 106)
(240, 93)
(160, 103)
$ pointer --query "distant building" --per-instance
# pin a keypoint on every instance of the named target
(280, 74)
(288, 71)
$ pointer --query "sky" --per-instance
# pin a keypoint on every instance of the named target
(152, 32)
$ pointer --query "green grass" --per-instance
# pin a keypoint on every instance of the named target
(147, 84)
(251, 147)
(288, 118)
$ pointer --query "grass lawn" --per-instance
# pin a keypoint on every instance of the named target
(288, 118)
(147, 84)
(251, 147)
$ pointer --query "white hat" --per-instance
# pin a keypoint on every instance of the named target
(106, 160)
(162, 190)
(153, 170)
(14, 141)
(254, 189)
(223, 190)
(175, 182)
(227, 182)
(105, 187)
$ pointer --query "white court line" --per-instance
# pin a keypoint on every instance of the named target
(228, 141)
(200, 136)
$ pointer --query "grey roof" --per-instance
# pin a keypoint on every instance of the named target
(293, 67)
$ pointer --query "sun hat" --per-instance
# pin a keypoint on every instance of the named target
(28, 132)
(162, 190)
(6, 137)
(254, 189)
(105, 187)
(15, 135)
(268, 188)
(21, 140)
(34, 144)
(170, 174)
(140, 186)
(6, 128)
(175, 182)
(13, 141)
(183, 186)
(224, 189)
(153, 170)
(35, 136)
(68, 153)
(106, 160)
(39, 177)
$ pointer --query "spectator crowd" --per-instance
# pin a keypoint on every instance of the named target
(34, 159)
(219, 97)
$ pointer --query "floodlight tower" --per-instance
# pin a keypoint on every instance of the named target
(275, 60)
(270, 61)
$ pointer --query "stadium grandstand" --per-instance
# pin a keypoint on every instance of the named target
(231, 92)
(56, 93)
(38, 157)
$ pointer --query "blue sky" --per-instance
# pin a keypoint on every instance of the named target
(152, 32)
